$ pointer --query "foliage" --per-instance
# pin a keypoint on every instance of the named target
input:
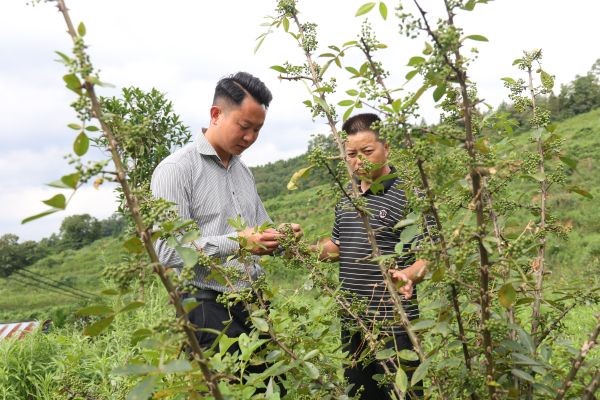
(490, 326)
(77, 231)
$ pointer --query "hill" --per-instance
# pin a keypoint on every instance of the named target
(312, 207)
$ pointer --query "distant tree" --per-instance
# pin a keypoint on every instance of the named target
(15, 255)
(112, 226)
(582, 94)
(77, 231)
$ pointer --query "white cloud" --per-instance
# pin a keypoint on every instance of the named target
(26, 201)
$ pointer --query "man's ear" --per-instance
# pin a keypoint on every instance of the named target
(216, 112)
(386, 148)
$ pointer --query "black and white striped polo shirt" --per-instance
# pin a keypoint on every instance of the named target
(361, 276)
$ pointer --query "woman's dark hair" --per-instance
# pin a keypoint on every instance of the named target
(362, 122)
(234, 88)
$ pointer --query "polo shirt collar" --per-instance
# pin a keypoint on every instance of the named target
(387, 184)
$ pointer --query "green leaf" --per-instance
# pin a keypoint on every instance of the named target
(74, 126)
(346, 103)
(507, 295)
(469, 5)
(73, 83)
(409, 220)
(347, 113)
(479, 38)
(189, 304)
(279, 68)
(176, 366)
(409, 233)
(67, 182)
(64, 57)
(570, 162)
(293, 183)
(81, 144)
(190, 236)
(508, 80)
(134, 245)
(57, 201)
(385, 354)
(420, 372)
(92, 128)
(353, 70)
(110, 292)
(273, 356)
(40, 215)
(522, 375)
(286, 24)
(260, 324)
(415, 61)
(408, 355)
(439, 91)
(423, 324)
(352, 92)
(97, 327)
(144, 389)
(580, 191)
(539, 176)
(313, 371)
(481, 145)
(189, 256)
(81, 29)
(383, 10)
(96, 310)
(311, 354)
(140, 335)
(411, 74)
(396, 105)
(365, 8)
(320, 102)
(132, 306)
(401, 379)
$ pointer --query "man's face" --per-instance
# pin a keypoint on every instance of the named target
(367, 155)
(238, 126)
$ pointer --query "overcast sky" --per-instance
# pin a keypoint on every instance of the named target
(182, 47)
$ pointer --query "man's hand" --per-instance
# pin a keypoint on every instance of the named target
(260, 243)
(296, 228)
(403, 283)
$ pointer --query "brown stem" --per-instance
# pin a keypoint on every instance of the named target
(588, 392)
(577, 362)
(541, 258)
(478, 186)
(375, 252)
(143, 232)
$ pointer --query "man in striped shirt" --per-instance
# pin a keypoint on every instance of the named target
(359, 275)
(210, 185)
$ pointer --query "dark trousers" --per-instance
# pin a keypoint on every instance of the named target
(233, 320)
(361, 375)
(213, 315)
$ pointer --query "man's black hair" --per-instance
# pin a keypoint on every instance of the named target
(362, 122)
(234, 88)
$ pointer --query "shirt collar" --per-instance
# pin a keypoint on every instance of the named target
(205, 148)
(387, 183)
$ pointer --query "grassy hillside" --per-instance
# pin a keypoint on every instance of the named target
(313, 209)
(26, 299)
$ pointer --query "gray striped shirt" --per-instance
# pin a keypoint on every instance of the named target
(207, 192)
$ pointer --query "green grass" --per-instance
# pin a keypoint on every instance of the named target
(80, 269)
